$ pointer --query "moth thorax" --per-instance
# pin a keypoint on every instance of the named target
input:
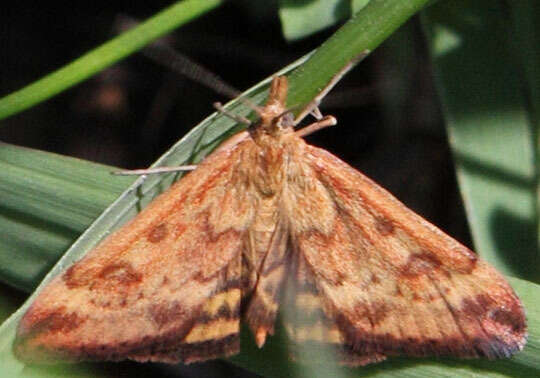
(269, 167)
(273, 127)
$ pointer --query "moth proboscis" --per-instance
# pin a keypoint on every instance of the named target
(272, 221)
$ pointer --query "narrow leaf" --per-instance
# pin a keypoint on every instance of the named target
(479, 79)
(47, 201)
(105, 55)
(526, 32)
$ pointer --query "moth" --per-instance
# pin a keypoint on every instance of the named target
(272, 223)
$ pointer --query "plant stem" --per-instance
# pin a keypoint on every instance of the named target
(104, 56)
(365, 31)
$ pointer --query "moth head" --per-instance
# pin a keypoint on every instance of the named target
(276, 119)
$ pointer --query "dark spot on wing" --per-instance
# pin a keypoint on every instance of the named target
(77, 275)
(121, 273)
(165, 313)
(158, 233)
(513, 318)
(384, 226)
(375, 312)
(420, 264)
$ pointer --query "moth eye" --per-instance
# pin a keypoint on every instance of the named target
(285, 121)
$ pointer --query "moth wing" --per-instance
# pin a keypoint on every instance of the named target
(391, 282)
(165, 287)
(313, 334)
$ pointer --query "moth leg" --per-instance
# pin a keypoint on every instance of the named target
(227, 145)
(326, 121)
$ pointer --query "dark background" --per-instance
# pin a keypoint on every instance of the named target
(390, 126)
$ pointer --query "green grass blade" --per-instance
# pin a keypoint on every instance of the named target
(479, 78)
(527, 47)
(47, 201)
(365, 31)
(104, 55)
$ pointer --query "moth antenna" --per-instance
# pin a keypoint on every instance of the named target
(238, 118)
(181, 168)
(257, 109)
(162, 53)
(324, 122)
(313, 104)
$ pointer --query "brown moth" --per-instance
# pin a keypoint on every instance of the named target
(273, 221)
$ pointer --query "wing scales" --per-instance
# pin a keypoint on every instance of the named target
(166, 286)
(393, 283)
(313, 333)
